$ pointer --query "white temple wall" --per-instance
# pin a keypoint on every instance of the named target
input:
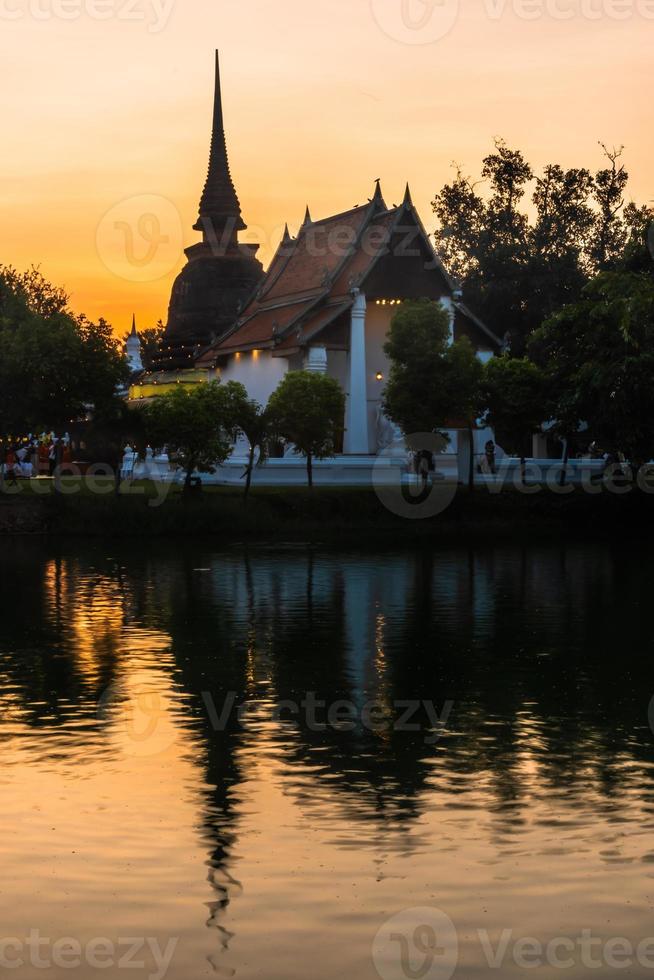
(258, 371)
(337, 367)
(378, 323)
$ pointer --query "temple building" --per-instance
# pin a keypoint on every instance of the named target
(325, 303)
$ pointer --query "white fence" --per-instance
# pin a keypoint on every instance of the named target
(358, 470)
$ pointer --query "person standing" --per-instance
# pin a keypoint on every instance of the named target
(490, 454)
(11, 462)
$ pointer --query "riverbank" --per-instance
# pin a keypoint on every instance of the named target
(321, 515)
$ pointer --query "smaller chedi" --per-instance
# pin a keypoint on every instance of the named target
(133, 349)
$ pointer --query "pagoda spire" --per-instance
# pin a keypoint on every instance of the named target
(133, 332)
(219, 204)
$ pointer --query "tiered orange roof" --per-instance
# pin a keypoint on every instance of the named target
(311, 278)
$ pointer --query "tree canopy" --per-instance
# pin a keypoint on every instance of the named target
(516, 397)
(54, 365)
(598, 355)
(518, 267)
(196, 425)
(307, 410)
(432, 382)
(255, 422)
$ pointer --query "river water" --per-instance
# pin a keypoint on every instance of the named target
(284, 763)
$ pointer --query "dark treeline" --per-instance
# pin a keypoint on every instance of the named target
(524, 244)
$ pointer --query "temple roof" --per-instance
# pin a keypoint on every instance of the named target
(219, 203)
(310, 261)
(265, 325)
(311, 278)
(312, 324)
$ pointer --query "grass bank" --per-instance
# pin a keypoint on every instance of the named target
(323, 515)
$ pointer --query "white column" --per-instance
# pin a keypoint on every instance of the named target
(448, 305)
(356, 436)
(316, 360)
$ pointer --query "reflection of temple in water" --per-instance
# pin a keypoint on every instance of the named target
(524, 644)
(272, 626)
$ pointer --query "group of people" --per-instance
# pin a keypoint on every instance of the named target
(423, 463)
(33, 455)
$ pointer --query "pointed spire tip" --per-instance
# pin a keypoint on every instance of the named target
(219, 201)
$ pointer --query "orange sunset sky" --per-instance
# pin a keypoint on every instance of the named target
(106, 108)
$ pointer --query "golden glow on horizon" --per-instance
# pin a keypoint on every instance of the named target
(106, 124)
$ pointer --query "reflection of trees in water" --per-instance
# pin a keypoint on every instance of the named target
(59, 636)
(545, 652)
(546, 646)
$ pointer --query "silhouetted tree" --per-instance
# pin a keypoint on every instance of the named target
(255, 423)
(307, 410)
(516, 270)
(598, 356)
(196, 425)
(515, 394)
(55, 365)
(433, 384)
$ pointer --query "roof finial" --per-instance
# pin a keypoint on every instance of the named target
(407, 202)
(307, 218)
(378, 198)
(219, 202)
